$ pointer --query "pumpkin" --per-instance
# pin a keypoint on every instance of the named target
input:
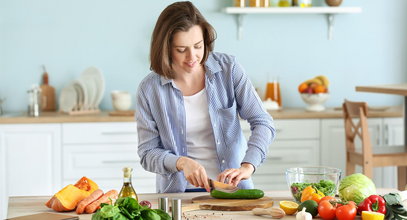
(68, 198)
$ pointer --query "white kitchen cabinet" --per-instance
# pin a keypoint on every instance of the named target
(100, 151)
(384, 132)
(30, 157)
(296, 145)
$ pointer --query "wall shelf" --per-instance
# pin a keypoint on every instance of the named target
(329, 11)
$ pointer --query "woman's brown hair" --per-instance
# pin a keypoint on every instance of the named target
(179, 16)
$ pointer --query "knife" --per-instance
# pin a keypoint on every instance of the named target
(227, 188)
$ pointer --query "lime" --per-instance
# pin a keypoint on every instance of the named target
(310, 206)
(367, 215)
(289, 207)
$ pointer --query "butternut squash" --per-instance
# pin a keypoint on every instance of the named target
(68, 198)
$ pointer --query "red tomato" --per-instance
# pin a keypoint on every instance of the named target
(346, 212)
(326, 210)
(327, 198)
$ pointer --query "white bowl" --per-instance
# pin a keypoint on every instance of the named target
(315, 102)
(121, 100)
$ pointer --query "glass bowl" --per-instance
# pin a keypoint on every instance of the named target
(325, 179)
(315, 102)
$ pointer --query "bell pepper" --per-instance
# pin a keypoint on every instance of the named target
(311, 193)
(373, 203)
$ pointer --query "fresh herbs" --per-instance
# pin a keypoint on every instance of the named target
(327, 187)
(395, 209)
(128, 208)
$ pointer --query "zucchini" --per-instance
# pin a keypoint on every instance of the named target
(239, 194)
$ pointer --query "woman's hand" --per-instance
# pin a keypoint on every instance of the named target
(194, 172)
(234, 176)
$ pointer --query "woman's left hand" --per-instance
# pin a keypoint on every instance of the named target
(234, 176)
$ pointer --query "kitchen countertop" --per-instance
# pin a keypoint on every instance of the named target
(27, 205)
(285, 113)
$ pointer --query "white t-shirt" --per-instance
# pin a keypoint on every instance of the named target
(199, 134)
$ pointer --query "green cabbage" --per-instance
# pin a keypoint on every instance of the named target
(356, 187)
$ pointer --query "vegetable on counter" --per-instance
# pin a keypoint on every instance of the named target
(239, 194)
(311, 193)
(128, 208)
(395, 209)
(303, 215)
(373, 203)
(68, 198)
(346, 212)
(356, 187)
(327, 187)
(310, 206)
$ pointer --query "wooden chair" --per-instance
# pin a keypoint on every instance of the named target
(355, 116)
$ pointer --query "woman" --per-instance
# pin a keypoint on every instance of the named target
(188, 109)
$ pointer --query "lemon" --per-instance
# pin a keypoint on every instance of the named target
(367, 215)
(289, 207)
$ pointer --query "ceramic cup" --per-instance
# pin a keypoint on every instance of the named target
(121, 100)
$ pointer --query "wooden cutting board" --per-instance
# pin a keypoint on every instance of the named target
(209, 203)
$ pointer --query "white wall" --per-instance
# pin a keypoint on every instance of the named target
(68, 36)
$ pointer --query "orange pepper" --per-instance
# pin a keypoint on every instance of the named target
(311, 193)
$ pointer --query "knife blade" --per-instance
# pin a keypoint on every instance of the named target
(222, 186)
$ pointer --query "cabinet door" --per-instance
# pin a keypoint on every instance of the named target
(31, 159)
(393, 131)
(282, 155)
(103, 163)
(101, 153)
(296, 145)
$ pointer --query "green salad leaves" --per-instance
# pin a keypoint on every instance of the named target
(327, 187)
(128, 208)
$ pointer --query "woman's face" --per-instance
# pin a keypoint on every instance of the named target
(187, 50)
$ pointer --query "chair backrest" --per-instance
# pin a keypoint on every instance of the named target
(357, 112)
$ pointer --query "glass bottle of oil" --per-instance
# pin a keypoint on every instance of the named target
(127, 188)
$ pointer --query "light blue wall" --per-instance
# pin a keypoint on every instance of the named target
(68, 36)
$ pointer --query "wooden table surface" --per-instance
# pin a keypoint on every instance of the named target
(395, 89)
(20, 206)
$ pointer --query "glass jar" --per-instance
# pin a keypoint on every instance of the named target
(254, 3)
(265, 3)
(305, 3)
(273, 91)
(284, 3)
(239, 3)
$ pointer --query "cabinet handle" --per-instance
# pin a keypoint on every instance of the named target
(378, 136)
(386, 135)
(118, 133)
(275, 158)
(120, 161)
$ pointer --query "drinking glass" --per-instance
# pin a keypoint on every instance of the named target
(273, 91)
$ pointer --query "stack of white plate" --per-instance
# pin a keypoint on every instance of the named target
(84, 93)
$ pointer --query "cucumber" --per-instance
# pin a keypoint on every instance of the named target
(239, 194)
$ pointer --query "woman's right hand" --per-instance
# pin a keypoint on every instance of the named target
(194, 172)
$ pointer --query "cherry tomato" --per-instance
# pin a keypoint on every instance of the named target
(326, 210)
(346, 212)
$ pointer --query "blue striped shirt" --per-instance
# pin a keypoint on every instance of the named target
(161, 122)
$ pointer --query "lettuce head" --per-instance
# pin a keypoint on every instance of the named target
(356, 187)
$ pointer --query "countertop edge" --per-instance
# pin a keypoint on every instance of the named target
(286, 113)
